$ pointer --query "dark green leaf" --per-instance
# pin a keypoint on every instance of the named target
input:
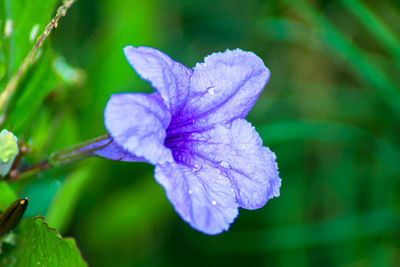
(39, 245)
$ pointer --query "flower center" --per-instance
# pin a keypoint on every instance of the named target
(177, 142)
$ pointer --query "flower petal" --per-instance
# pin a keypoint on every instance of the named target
(167, 76)
(235, 150)
(222, 89)
(238, 150)
(215, 172)
(137, 123)
(204, 198)
(113, 151)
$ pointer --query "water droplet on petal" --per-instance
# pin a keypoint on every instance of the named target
(190, 192)
(214, 202)
(224, 164)
(211, 90)
(196, 167)
(243, 147)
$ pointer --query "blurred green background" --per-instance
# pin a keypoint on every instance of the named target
(330, 112)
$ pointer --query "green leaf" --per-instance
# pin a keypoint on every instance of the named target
(363, 67)
(39, 245)
(65, 200)
(375, 26)
(7, 195)
(135, 210)
(29, 99)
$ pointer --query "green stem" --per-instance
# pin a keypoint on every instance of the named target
(62, 157)
(77, 152)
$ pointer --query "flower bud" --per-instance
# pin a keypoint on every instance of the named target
(12, 215)
(8, 151)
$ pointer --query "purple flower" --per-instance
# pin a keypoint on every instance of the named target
(208, 158)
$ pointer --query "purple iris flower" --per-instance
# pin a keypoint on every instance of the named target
(208, 158)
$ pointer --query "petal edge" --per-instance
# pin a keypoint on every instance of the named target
(170, 78)
(203, 198)
(222, 89)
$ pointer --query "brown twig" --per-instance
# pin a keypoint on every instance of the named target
(29, 171)
(23, 149)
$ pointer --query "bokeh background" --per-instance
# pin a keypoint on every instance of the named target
(330, 112)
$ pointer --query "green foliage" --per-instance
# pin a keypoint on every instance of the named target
(40, 245)
(40, 83)
(64, 202)
(7, 195)
(24, 16)
(25, 21)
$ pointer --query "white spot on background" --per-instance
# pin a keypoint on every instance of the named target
(211, 90)
(33, 33)
(8, 28)
(214, 202)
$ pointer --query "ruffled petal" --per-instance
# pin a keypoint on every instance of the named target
(167, 76)
(222, 89)
(236, 151)
(202, 197)
(137, 124)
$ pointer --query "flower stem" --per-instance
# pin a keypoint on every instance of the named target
(11, 87)
(63, 157)
(78, 151)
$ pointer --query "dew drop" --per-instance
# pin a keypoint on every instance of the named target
(196, 167)
(214, 202)
(190, 192)
(243, 148)
(224, 164)
(211, 90)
